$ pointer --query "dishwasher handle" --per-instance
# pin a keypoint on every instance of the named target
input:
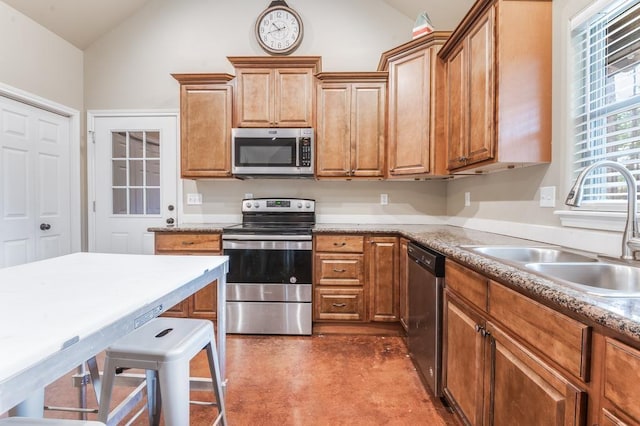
(427, 259)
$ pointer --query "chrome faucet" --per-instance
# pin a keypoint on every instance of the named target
(630, 237)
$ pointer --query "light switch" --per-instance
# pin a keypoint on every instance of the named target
(194, 199)
(384, 199)
(547, 196)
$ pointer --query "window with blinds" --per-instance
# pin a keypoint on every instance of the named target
(606, 64)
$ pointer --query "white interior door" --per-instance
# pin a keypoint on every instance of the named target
(135, 180)
(34, 183)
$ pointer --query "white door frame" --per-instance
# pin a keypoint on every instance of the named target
(91, 184)
(75, 179)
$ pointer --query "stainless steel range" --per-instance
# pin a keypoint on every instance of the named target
(270, 267)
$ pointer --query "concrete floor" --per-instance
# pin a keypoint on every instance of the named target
(302, 380)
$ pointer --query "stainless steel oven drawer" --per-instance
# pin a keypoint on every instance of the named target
(269, 292)
(269, 318)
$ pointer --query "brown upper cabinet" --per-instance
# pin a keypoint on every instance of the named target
(498, 87)
(205, 125)
(275, 91)
(350, 134)
(415, 139)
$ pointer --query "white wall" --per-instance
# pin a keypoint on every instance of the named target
(35, 60)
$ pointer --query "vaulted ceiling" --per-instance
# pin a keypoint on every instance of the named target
(81, 22)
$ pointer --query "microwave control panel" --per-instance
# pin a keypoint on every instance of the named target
(305, 152)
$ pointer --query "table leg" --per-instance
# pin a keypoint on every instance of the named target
(222, 326)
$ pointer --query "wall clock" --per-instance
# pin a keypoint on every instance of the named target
(279, 29)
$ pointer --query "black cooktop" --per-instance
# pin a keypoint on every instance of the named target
(295, 228)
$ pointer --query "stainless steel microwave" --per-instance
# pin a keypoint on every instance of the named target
(272, 152)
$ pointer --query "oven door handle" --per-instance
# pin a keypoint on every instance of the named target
(263, 237)
(266, 245)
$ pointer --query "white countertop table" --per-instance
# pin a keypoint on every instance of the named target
(57, 313)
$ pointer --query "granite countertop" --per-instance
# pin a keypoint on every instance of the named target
(621, 315)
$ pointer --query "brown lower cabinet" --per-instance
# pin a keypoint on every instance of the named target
(491, 376)
(356, 278)
(203, 304)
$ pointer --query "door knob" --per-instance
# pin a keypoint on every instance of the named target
(170, 221)
(45, 226)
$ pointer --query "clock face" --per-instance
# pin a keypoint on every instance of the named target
(279, 30)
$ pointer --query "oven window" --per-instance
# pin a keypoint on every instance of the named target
(265, 152)
(269, 266)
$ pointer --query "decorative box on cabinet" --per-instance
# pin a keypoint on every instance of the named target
(498, 87)
(351, 128)
(485, 360)
(205, 125)
(415, 136)
(203, 303)
(275, 91)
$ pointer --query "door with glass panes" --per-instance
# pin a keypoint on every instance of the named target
(133, 181)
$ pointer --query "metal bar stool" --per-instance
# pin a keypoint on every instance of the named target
(163, 347)
(27, 421)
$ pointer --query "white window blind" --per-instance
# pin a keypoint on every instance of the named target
(606, 63)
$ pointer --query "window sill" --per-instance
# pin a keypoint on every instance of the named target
(598, 220)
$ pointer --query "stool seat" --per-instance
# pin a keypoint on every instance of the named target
(164, 347)
(163, 340)
(26, 421)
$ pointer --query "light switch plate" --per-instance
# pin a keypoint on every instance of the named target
(467, 199)
(547, 196)
(384, 199)
(194, 199)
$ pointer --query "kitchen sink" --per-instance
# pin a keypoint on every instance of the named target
(597, 278)
(528, 254)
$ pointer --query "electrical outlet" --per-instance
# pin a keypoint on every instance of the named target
(248, 195)
(467, 199)
(547, 196)
(194, 199)
(384, 199)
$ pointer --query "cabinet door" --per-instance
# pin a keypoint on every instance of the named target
(333, 153)
(293, 97)
(383, 279)
(463, 359)
(205, 120)
(456, 108)
(621, 378)
(254, 100)
(409, 114)
(204, 303)
(521, 389)
(368, 114)
(403, 289)
(481, 57)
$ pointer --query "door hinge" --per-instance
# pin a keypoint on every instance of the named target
(93, 136)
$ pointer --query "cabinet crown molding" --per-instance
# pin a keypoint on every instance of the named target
(277, 62)
(434, 38)
(203, 78)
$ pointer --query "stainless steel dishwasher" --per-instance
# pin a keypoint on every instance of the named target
(424, 337)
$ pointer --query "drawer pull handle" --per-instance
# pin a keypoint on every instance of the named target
(339, 270)
(339, 305)
(342, 244)
(188, 243)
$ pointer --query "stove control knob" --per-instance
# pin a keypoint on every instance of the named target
(299, 205)
(256, 204)
(248, 205)
(308, 205)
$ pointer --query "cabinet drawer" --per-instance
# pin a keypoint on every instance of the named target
(621, 377)
(340, 243)
(345, 304)
(339, 269)
(467, 283)
(560, 338)
(187, 242)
